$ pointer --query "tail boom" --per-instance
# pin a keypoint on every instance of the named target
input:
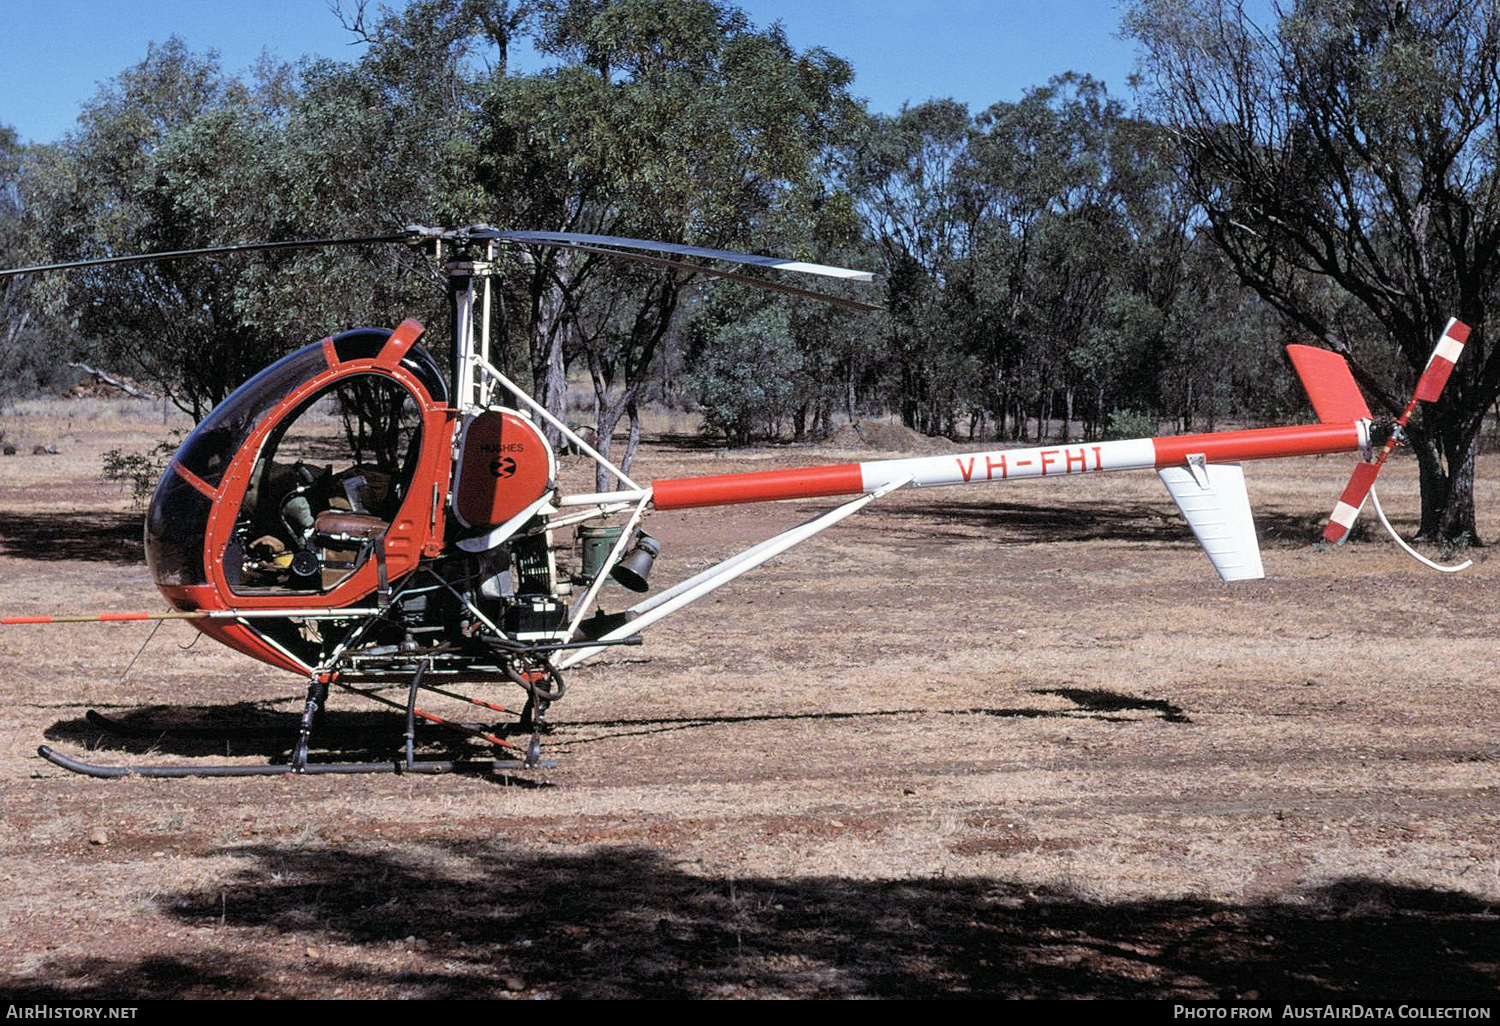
(1008, 464)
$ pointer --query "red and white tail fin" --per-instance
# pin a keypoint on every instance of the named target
(1335, 397)
(1439, 366)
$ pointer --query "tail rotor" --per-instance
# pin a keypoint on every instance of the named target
(1362, 484)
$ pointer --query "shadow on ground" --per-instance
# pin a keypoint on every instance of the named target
(91, 536)
(1090, 703)
(245, 729)
(1087, 521)
(250, 728)
(486, 919)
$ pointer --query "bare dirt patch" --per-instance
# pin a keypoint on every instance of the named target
(1015, 741)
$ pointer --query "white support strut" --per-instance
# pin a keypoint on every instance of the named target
(536, 407)
(695, 588)
(609, 563)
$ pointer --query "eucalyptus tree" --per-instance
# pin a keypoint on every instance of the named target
(174, 153)
(24, 361)
(1345, 157)
(679, 122)
(115, 186)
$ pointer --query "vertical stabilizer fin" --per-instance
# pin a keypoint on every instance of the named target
(1212, 496)
(1331, 387)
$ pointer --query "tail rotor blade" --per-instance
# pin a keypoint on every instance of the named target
(1449, 348)
(1350, 503)
(1429, 388)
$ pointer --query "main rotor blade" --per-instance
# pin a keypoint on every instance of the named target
(178, 254)
(778, 263)
(712, 272)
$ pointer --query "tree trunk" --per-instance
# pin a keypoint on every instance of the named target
(633, 438)
(1447, 480)
(549, 376)
(1456, 525)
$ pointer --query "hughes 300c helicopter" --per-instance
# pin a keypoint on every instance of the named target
(421, 549)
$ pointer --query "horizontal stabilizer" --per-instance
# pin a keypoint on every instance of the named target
(1335, 397)
(1212, 497)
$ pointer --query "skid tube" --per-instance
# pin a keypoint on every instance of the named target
(299, 765)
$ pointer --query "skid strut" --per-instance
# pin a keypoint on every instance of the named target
(298, 764)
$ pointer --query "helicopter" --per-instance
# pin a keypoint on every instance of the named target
(421, 550)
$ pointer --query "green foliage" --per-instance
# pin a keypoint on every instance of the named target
(1126, 423)
(676, 122)
(141, 470)
(1038, 254)
(174, 154)
(28, 360)
(747, 373)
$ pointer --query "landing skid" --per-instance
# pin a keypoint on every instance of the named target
(90, 769)
(317, 694)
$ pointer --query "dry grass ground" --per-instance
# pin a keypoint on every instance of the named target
(1015, 741)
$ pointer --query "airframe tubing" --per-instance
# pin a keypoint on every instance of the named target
(572, 435)
(693, 589)
(603, 498)
(463, 318)
(602, 577)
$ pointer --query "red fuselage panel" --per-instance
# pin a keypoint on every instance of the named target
(505, 466)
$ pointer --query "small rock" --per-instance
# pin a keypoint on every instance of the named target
(10, 450)
(313, 952)
(514, 983)
(98, 836)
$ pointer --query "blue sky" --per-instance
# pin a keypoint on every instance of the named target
(978, 51)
